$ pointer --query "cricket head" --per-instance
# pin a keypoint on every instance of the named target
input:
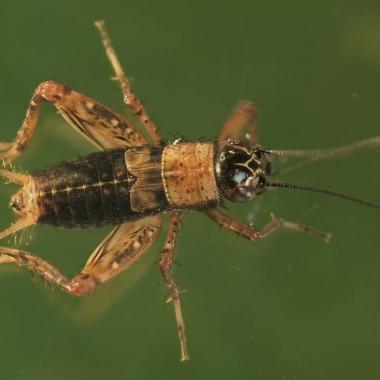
(241, 171)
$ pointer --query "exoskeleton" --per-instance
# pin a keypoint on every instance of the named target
(136, 179)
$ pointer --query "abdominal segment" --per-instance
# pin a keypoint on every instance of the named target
(89, 191)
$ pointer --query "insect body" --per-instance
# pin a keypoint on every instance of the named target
(132, 182)
(120, 185)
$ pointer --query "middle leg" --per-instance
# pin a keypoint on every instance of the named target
(129, 97)
(165, 267)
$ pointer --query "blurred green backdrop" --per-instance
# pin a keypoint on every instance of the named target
(289, 307)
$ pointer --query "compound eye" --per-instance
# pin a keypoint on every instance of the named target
(238, 184)
(238, 176)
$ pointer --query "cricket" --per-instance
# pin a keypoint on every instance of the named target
(135, 179)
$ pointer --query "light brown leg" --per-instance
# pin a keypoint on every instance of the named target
(36, 265)
(165, 266)
(10, 150)
(252, 233)
(19, 178)
(118, 251)
(243, 117)
(129, 97)
(20, 224)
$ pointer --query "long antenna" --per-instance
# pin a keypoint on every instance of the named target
(317, 154)
(321, 190)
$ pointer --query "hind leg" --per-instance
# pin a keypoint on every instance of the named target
(102, 126)
(117, 252)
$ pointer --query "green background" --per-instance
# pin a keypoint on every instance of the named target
(289, 307)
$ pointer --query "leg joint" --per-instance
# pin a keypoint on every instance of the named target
(83, 284)
(52, 91)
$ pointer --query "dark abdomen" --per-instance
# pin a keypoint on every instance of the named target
(88, 191)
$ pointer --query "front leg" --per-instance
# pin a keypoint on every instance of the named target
(165, 267)
(252, 233)
(242, 119)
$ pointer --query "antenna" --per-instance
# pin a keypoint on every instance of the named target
(321, 190)
(319, 154)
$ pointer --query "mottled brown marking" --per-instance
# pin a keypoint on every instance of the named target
(188, 175)
(102, 126)
(122, 247)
